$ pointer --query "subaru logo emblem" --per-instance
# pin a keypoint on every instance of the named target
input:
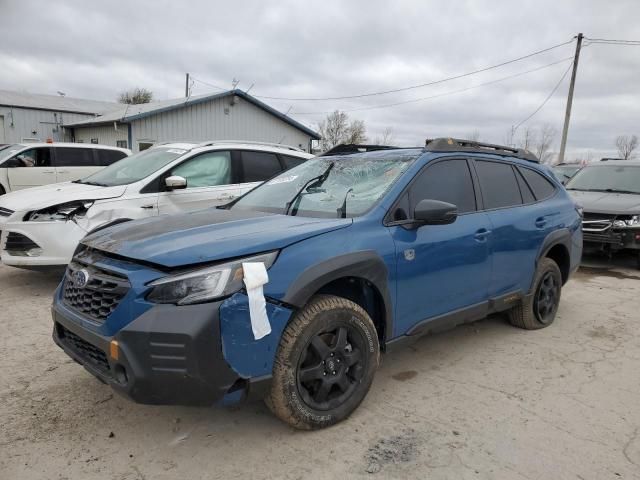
(80, 278)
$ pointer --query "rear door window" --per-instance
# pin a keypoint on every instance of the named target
(542, 188)
(525, 190)
(75, 157)
(448, 181)
(258, 166)
(498, 184)
(107, 157)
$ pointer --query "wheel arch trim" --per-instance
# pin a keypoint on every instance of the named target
(365, 264)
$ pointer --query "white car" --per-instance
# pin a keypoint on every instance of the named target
(24, 165)
(42, 226)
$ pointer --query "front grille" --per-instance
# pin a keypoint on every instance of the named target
(95, 296)
(597, 222)
(5, 212)
(611, 238)
(83, 349)
(18, 244)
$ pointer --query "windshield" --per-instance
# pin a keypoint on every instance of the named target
(330, 187)
(609, 178)
(134, 168)
(8, 151)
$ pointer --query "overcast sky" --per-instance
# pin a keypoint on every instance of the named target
(306, 49)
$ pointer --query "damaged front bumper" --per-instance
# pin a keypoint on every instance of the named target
(39, 244)
(612, 239)
(202, 354)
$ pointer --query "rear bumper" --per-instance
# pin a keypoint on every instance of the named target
(169, 355)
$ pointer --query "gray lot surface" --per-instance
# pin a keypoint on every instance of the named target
(483, 401)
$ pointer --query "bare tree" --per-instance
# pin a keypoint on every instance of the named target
(387, 137)
(528, 138)
(543, 142)
(336, 129)
(135, 96)
(473, 136)
(626, 146)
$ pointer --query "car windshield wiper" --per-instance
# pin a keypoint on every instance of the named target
(605, 190)
(312, 182)
(90, 183)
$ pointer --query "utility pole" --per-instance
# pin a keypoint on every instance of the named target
(186, 87)
(567, 114)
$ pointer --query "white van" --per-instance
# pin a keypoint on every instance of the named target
(41, 227)
(24, 165)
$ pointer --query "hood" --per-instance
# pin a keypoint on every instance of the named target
(604, 202)
(49, 195)
(207, 235)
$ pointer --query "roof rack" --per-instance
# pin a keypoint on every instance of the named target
(351, 148)
(458, 145)
(246, 142)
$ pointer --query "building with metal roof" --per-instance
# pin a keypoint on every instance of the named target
(32, 117)
(230, 115)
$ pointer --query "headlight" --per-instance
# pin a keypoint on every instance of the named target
(62, 212)
(633, 221)
(204, 284)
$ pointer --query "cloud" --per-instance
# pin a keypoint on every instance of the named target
(330, 48)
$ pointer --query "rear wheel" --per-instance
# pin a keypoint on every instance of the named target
(325, 363)
(539, 309)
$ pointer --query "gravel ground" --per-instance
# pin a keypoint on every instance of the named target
(482, 401)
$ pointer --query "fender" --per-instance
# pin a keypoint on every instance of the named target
(562, 236)
(366, 264)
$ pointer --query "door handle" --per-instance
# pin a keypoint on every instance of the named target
(541, 222)
(481, 235)
(147, 207)
(63, 171)
(48, 171)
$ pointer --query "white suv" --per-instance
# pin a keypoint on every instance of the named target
(42, 226)
(24, 165)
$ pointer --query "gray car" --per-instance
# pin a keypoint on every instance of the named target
(609, 193)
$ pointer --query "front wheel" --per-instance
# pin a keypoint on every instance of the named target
(539, 309)
(325, 363)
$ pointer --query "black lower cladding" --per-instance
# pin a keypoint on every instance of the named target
(167, 356)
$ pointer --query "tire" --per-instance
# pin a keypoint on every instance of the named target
(530, 314)
(2, 191)
(325, 363)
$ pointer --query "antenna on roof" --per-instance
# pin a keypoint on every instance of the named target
(234, 83)
(247, 90)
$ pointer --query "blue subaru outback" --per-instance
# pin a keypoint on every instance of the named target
(362, 253)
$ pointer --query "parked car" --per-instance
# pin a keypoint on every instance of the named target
(564, 171)
(609, 193)
(24, 165)
(41, 227)
(359, 253)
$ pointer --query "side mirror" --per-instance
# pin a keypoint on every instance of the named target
(435, 212)
(175, 182)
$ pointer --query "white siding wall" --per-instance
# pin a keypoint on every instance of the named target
(208, 121)
(20, 123)
(106, 134)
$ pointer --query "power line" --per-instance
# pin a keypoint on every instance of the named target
(207, 83)
(612, 41)
(435, 82)
(444, 94)
(545, 100)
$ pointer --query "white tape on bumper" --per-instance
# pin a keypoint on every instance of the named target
(255, 276)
